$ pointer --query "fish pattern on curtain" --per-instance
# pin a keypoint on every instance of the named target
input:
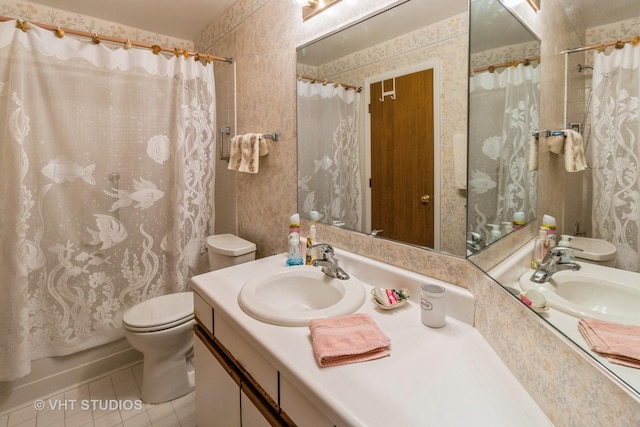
(505, 115)
(106, 166)
(329, 153)
(615, 135)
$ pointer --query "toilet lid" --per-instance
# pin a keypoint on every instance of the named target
(160, 311)
(230, 245)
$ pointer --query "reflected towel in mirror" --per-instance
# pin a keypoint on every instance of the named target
(619, 343)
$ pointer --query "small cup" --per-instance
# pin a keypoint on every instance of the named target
(433, 305)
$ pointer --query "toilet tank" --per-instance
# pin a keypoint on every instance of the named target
(226, 250)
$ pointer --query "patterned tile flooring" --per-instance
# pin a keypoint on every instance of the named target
(113, 400)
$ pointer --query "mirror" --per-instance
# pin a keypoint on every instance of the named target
(364, 163)
(583, 23)
(504, 87)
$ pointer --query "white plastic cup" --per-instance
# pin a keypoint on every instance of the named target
(433, 305)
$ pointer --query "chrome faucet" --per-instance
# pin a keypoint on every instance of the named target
(557, 259)
(329, 262)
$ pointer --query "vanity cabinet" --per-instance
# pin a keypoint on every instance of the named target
(236, 386)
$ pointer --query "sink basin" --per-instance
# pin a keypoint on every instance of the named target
(291, 296)
(592, 292)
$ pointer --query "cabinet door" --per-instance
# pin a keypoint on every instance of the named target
(299, 408)
(217, 393)
(251, 416)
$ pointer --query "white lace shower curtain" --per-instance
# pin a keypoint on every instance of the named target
(328, 153)
(615, 136)
(504, 116)
(106, 182)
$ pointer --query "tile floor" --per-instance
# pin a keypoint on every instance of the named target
(110, 401)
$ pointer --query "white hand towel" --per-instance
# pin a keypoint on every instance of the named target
(460, 160)
(556, 144)
(574, 159)
(245, 152)
(235, 152)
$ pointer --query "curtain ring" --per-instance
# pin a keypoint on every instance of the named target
(619, 44)
(127, 45)
(178, 52)
(156, 49)
(196, 57)
(23, 25)
(95, 39)
(59, 33)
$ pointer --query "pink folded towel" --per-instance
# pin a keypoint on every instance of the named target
(347, 339)
(619, 343)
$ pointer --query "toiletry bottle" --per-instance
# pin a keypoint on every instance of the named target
(294, 257)
(549, 223)
(311, 240)
(507, 228)
(294, 227)
(518, 220)
(539, 249)
(495, 232)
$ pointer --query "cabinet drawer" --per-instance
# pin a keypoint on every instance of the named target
(256, 365)
(203, 313)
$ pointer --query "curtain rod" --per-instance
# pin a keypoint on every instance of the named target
(326, 82)
(514, 63)
(618, 44)
(126, 43)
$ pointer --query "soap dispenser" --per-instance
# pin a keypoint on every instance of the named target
(539, 248)
(495, 232)
(294, 257)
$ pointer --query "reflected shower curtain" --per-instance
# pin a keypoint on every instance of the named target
(328, 153)
(106, 167)
(504, 115)
(615, 136)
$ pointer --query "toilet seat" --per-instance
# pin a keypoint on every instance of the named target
(163, 312)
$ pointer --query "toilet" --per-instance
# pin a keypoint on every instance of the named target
(161, 328)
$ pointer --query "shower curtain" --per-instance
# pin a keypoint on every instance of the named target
(106, 167)
(615, 136)
(328, 153)
(504, 112)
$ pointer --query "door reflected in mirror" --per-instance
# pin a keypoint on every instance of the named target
(504, 87)
(376, 125)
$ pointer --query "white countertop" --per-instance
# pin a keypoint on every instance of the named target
(441, 377)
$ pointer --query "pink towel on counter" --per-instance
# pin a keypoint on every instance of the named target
(347, 339)
(619, 343)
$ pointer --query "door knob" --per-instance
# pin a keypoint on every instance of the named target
(425, 199)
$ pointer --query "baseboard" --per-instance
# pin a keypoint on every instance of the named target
(52, 375)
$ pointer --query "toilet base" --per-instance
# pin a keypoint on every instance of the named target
(168, 380)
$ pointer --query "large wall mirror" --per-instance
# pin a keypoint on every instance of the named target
(504, 88)
(581, 76)
(381, 112)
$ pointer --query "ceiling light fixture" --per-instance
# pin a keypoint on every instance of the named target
(313, 7)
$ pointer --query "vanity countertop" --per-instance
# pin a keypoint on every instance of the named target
(447, 376)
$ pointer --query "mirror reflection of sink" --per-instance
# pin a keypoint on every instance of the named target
(291, 296)
(592, 292)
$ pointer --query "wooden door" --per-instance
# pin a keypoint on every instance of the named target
(402, 158)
